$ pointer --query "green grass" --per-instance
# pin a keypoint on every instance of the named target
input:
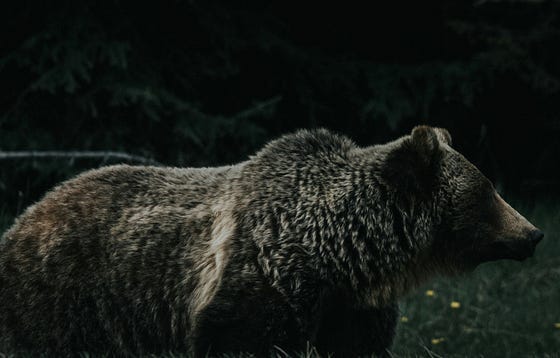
(507, 309)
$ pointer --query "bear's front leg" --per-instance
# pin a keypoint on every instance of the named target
(244, 319)
(350, 332)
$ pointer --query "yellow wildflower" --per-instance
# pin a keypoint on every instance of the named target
(404, 319)
(437, 340)
(455, 304)
(557, 325)
(430, 293)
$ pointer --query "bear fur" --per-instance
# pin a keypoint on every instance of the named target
(310, 242)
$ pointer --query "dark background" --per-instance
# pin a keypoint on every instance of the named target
(201, 83)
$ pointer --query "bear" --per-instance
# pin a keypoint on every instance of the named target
(309, 243)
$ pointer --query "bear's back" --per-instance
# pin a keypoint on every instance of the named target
(101, 196)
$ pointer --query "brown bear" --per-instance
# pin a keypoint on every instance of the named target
(310, 242)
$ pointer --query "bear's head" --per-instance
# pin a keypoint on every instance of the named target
(475, 224)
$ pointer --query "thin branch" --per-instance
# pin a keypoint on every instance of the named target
(32, 154)
(258, 108)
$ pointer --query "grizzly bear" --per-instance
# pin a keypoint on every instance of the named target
(309, 243)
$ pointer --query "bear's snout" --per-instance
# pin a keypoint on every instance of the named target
(519, 249)
(536, 236)
(512, 248)
(516, 237)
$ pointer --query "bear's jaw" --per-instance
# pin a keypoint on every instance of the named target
(418, 271)
(460, 254)
(517, 250)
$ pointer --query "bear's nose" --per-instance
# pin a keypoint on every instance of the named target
(536, 236)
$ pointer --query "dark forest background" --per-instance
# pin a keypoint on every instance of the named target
(201, 83)
(208, 82)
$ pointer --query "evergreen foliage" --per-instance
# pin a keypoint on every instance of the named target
(194, 83)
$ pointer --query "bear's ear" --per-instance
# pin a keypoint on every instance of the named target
(426, 142)
(413, 165)
(444, 136)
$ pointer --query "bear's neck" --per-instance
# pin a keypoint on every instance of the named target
(332, 218)
(373, 239)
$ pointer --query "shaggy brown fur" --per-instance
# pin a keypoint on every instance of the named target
(312, 240)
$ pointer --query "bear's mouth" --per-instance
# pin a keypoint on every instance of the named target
(518, 250)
